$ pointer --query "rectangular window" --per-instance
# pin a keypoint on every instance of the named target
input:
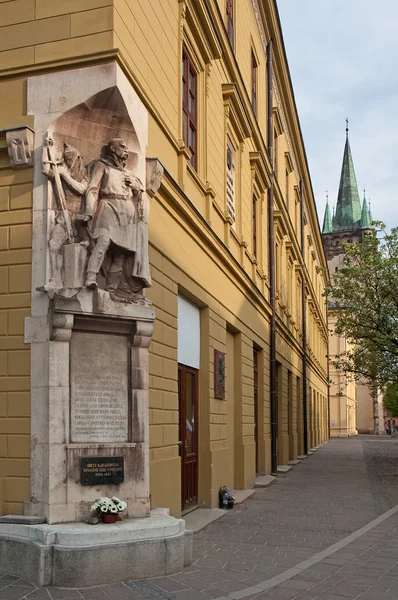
(254, 84)
(277, 268)
(254, 216)
(230, 22)
(287, 187)
(189, 107)
(275, 152)
(231, 172)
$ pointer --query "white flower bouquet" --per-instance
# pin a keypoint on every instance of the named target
(109, 506)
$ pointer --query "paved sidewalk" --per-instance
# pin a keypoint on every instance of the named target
(322, 531)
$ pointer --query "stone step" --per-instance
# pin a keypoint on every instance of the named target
(201, 517)
(242, 495)
(284, 468)
(263, 481)
(22, 520)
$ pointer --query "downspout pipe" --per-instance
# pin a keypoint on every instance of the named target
(271, 254)
(304, 321)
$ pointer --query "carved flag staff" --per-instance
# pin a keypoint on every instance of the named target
(60, 191)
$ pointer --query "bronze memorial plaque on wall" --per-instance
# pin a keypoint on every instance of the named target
(219, 375)
(101, 470)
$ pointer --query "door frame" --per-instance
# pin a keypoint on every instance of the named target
(182, 371)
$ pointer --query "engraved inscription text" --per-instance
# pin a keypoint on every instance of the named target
(99, 388)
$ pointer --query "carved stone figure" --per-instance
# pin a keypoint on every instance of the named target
(154, 176)
(69, 222)
(114, 199)
(102, 207)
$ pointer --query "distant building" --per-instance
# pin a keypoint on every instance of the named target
(353, 408)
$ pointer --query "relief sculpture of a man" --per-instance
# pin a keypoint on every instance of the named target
(114, 200)
(103, 208)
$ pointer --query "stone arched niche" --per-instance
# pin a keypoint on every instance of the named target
(75, 149)
(91, 124)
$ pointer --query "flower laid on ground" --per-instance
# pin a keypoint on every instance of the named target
(109, 506)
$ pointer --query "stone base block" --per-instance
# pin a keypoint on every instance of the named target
(80, 555)
(26, 558)
(284, 468)
(75, 258)
(22, 520)
(263, 481)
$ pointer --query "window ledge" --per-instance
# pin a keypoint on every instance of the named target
(197, 179)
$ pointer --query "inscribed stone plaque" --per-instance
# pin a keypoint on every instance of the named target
(102, 470)
(99, 387)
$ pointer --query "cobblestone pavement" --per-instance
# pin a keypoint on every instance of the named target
(316, 533)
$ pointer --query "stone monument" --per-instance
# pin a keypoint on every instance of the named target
(90, 332)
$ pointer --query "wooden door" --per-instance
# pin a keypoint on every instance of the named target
(255, 384)
(188, 407)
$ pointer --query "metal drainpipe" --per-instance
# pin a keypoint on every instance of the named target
(304, 315)
(271, 253)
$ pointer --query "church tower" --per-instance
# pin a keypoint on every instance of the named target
(352, 408)
(351, 220)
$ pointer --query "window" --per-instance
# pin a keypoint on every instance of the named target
(189, 107)
(254, 84)
(254, 210)
(231, 187)
(230, 22)
(277, 268)
(276, 152)
(287, 187)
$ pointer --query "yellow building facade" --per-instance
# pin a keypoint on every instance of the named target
(236, 255)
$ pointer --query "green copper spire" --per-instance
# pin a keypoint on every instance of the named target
(365, 220)
(348, 209)
(327, 219)
(370, 213)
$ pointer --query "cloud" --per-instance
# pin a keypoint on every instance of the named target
(343, 59)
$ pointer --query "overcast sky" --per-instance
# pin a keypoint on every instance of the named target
(343, 59)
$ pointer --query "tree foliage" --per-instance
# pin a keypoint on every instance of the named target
(390, 399)
(364, 294)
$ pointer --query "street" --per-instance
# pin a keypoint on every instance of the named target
(326, 530)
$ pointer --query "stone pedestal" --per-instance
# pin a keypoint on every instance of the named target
(80, 555)
(89, 393)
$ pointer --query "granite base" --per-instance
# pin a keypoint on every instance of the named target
(80, 555)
